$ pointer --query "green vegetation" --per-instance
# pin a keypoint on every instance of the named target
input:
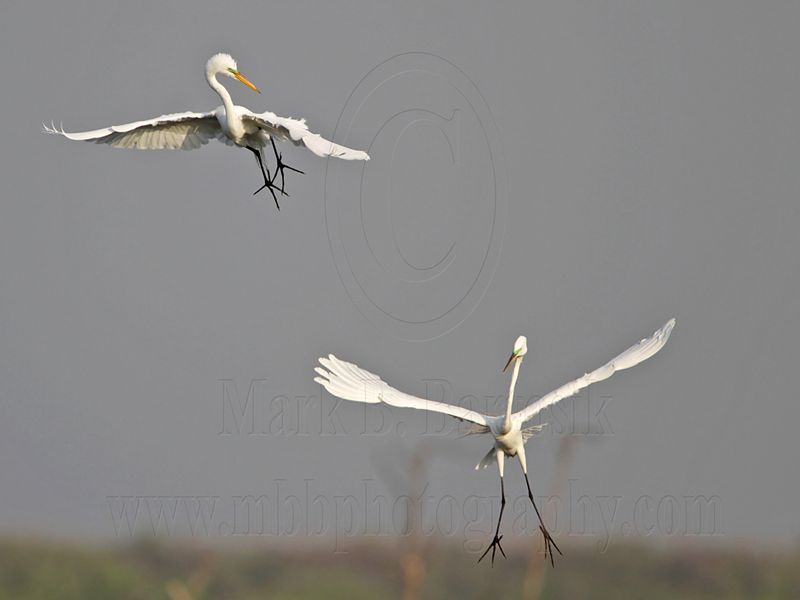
(31, 570)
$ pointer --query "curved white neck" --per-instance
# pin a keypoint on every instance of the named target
(507, 420)
(230, 113)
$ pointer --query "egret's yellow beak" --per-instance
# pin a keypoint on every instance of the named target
(510, 360)
(246, 81)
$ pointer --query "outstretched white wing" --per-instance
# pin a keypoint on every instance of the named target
(350, 382)
(177, 131)
(632, 356)
(296, 130)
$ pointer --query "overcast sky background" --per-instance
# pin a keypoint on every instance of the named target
(578, 172)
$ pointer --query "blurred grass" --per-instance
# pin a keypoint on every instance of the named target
(32, 570)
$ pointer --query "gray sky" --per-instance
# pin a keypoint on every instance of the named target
(577, 172)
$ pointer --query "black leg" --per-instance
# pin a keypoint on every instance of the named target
(280, 166)
(549, 543)
(265, 173)
(497, 537)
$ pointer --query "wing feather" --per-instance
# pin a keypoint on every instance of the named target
(632, 356)
(183, 131)
(350, 382)
(296, 130)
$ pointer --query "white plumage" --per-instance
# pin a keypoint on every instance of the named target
(631, 357)
(351, 382)
(177, 131)
(190, 130)
(229, 123)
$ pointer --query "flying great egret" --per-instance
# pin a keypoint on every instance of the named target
(350, 382)
(229, 123)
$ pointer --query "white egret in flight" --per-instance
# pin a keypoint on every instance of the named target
(350, 382)
(229, 123)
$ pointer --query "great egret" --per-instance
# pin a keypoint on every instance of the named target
(229, 123)
(350, 382)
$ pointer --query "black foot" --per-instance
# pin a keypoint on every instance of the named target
(271, 188)
(494, 546)
(549, 544)
(280, 166)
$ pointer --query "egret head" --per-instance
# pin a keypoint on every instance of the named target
(224, 64)
(520, 350)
